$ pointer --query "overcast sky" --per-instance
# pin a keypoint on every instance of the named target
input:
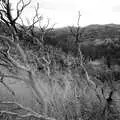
(65, 12)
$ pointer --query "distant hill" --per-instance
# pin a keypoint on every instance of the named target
(93, 38)
(90, 33)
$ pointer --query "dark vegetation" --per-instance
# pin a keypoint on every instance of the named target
(97, 40)
(73, 72)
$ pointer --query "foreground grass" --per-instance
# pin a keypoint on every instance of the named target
(67, 97)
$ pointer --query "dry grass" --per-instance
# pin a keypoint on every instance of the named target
(66, 94)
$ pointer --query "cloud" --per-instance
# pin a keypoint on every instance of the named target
(58, 5)
(65, 12)
(116, 8)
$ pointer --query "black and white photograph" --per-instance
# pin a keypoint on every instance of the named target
(59, 59)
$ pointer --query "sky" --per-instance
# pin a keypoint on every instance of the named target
(65, 12)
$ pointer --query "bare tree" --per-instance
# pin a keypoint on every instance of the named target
(104, 93)
(20, 70)
(76, 32)
(43, 29)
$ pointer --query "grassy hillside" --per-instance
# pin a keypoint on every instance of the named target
(61, 81)
(97, 41)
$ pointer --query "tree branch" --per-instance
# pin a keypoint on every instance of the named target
(19, 11)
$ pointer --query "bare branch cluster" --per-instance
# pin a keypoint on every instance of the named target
(21, 71)
(77, 34)
(6, 12)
